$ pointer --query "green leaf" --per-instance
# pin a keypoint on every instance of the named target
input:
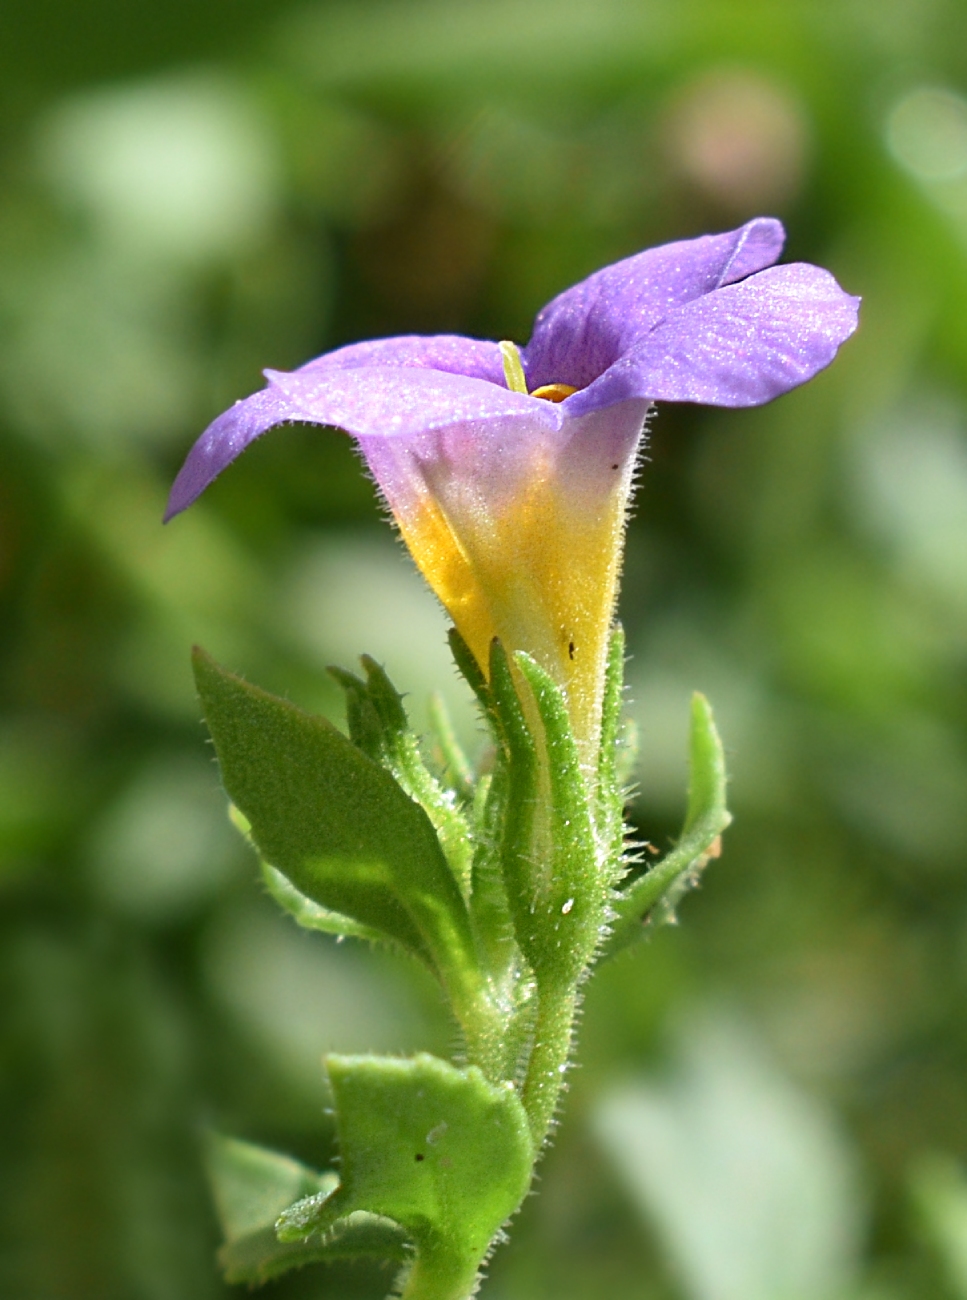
(379, 726)
(438, 1150)
(310, 915)
(253, 1186)
(939, 1192)
(341, 829)
(655, 894)
(365, 729)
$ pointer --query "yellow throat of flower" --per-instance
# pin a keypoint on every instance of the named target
(537, 563)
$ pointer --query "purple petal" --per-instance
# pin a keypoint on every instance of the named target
(476, 358)
(586, 329)
(370, 401)
(740, 346)
(223, 440)
(394, 401)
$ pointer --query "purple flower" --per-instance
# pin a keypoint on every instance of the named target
(510, 486)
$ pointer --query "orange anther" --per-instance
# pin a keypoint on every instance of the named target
(553, 392)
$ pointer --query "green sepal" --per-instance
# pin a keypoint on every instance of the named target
(253, 1186)
(612, 776)
(471, 672)
(653, 896)
(339, 826)
(512, 809)
(626, 757)
(567, 887)
(438, 1150)
(378, 725)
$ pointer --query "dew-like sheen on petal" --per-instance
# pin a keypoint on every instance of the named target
(586, 329)
(740, 346)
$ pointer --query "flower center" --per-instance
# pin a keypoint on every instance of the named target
(514, 376)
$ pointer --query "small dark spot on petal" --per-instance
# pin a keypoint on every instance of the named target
(615, 466)
(570, 649)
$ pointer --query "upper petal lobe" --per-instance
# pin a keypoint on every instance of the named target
(740, 346)
(586, 329)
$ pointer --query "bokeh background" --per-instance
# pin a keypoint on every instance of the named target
(771, 1102)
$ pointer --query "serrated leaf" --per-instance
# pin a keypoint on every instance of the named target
(253, 1186)
(437, 1149)
(658, 890)
(341, 829)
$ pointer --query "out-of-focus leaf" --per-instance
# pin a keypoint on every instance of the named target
(252, 1187)
(750, 1184)
(939, 1190)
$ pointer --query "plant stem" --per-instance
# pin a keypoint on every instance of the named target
(553, 1033)
(436, 1275)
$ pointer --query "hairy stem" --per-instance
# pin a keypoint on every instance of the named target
(553, 1035)
(438, 1275)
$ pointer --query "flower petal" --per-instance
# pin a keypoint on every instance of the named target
(476, 358)
(517, 527)
(586, 329)
(223, 440)
(390, 401)
(384, 400)
(741, 346)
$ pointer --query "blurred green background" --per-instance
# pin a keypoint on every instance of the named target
(771, 1102)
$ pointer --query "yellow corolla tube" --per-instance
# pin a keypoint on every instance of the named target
(518, 528)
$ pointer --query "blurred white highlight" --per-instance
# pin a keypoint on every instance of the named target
(910, 487)
(183, 166)
(926, 132)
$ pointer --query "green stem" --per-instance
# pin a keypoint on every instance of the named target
(484, 1026)
(438, 1275)
(553, 1035)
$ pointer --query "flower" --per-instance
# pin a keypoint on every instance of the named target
(509, 473)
